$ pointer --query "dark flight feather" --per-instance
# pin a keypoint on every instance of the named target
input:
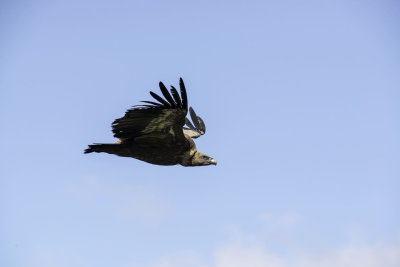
(159, 99)
(166, 94)
(176, 96)
(199, 125)
(189, 124)
(144, 106)
(183, 94)
(151, 102)
(193, 116)
(202, 125)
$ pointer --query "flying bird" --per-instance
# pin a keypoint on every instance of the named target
(159, 132)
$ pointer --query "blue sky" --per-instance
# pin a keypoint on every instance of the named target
(300, 99)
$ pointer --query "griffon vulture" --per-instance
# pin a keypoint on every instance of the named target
(154, 132)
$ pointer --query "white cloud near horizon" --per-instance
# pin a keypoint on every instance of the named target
(274, 246)
(236, 254)
(239, 255)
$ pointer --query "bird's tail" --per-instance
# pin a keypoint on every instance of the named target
(108, 148)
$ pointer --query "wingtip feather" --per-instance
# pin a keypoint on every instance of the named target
(166, 94)
(159, 99)
(183, 94)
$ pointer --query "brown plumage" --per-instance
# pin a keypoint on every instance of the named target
(155, 132)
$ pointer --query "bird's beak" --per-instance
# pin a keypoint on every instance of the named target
(213, 161)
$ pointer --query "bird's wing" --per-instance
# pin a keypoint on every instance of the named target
(165, 117)
(195, 129)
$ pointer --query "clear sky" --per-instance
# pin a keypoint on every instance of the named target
(301, 102)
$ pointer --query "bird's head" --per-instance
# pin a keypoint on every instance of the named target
(201, 159)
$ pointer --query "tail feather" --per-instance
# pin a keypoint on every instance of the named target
(108, 148)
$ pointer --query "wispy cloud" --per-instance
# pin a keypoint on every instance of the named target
(362, 255)
(187, 259)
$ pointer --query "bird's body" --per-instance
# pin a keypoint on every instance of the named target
(155, 132)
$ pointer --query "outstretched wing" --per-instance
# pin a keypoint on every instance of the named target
(167, 116)
(195, 129)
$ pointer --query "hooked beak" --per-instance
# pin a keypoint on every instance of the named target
(213, 161)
